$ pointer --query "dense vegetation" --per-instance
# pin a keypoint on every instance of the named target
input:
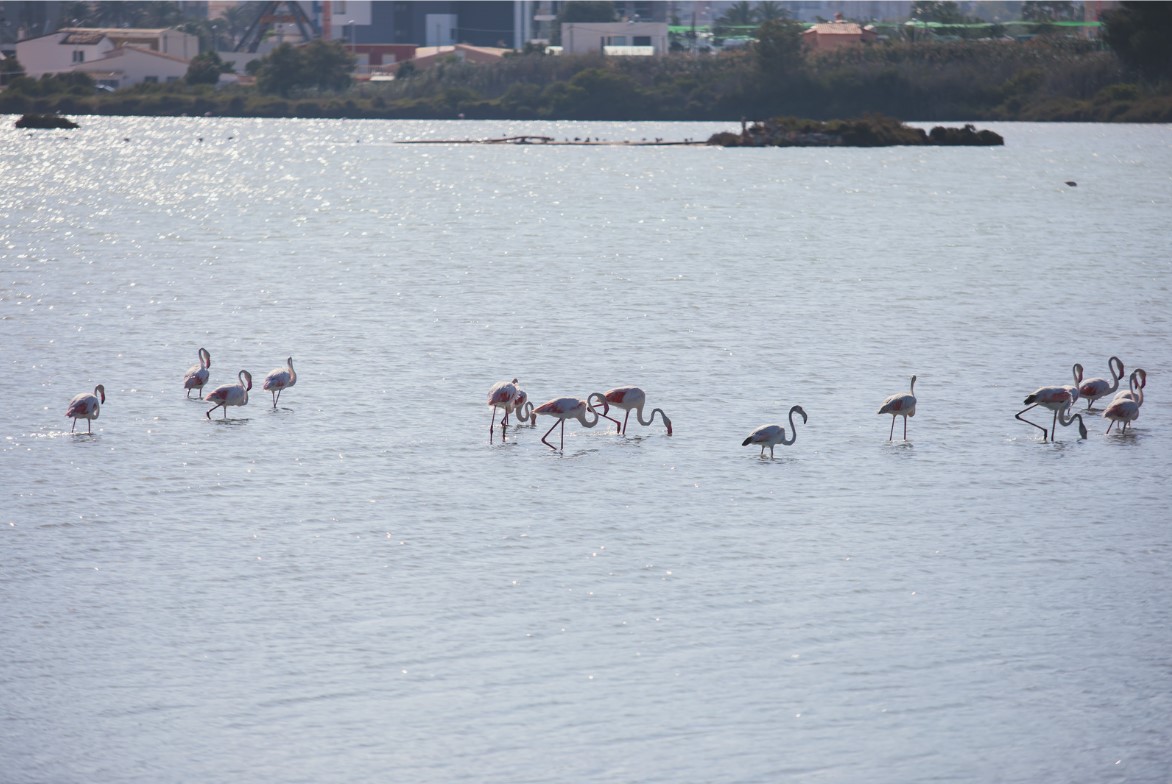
(1047, 78)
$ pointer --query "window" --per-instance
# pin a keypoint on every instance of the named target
(79, 55)
(150, 80)
(641, 40)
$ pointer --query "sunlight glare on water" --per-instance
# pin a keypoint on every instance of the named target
(359, 581)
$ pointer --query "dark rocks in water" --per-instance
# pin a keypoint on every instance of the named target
(968, 136)
(45, 121)
(871, 131)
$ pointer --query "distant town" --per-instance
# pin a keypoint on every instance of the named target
(585, 59)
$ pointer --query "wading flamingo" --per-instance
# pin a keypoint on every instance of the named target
(1052, 398)
(1094, 388)
(772, 435)
(197, 375)
(564, 408)
(230, 394)
(278, 380)
(904, 405)
(86, 406)
(503, 395)
(1125, 407)
(628, 398)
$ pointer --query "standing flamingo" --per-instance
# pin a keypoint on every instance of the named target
(1052, 398)
(197, 375)
(86, 406)
(564, 408)
(1094, 388)
(278, 380)
(772, 435)
(502, 394)
(628, 398)
(1125, 407)
(904, 405)
(230, 394)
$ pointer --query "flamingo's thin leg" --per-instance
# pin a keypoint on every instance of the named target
(1018, 415)
(547, 432)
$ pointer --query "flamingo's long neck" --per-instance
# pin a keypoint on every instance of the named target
(793, 428)
(292, 373)
(651, 419)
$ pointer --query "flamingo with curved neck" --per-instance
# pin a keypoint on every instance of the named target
(628, 398)
(279, 380)
(772, 435)
(230, 394)
(197, 375)
(1052, 398)
(86, 406)
(1094, 388)
(564, 408)
(904, 405)
(1125, 407)
(523, 407)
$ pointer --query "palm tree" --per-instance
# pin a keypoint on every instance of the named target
(739, 14)
(770, 11)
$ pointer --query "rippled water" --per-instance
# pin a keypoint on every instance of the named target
(359, 586)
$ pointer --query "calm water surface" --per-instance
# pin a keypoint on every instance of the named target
(359, 586)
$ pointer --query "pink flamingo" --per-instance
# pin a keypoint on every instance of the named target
(564, 408)
(1055, 399)
(86, 406)
(502, 394)
(197, 375)
(1094, 388)
(772, 435)
(230, 394)
(1125, 407)
(627, 398)
(277, 381)
(904, 405)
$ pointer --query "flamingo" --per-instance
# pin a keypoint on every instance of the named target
(230, 394)
(628, 398)
(276, 381)
(502, 394)
(86, 406)
(772, 435)
(1094, 388)
(564, 408)
(197, 375)
(904, 405)
(1125, 407)
(1052, 398)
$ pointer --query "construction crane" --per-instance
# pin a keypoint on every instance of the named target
(272, 14)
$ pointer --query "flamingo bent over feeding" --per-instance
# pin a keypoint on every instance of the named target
(1094, 388)
(904, 405)
(627, 398)
(278, 380)
(1053, 398)
(230, 394)
(1125, 407)
(564, 408)
(772, 435)
(86, 406)
(197, 375)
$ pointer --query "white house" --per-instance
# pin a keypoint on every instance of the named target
(64, 50)
(614, 37)
(129, 65)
